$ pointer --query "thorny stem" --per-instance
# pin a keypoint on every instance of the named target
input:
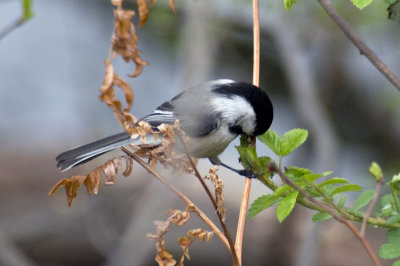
(256, 81)
(362, 47)
(182, 196)
(220, 218)
(272, 167)
(371, 206)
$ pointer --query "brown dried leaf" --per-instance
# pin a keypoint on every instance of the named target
(143, 11)
(117, 2)
(126, 88)
(178, 217)
(93, 179)
(124, 39)
(172, 6)
(71, 186)
(218, 189)
(108, 77)
(128, 166)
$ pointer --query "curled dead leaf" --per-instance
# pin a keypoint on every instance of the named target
(93, 179)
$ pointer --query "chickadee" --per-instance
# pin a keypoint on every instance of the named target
(211, 115)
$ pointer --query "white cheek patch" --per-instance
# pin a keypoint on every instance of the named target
(235, 110)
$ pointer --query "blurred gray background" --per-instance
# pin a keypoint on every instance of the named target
(51, 69)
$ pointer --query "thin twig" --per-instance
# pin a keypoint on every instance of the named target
(220, 218)
(256, 81)
(15, 24)
(182, 196)
(362, 47)
(371, 206)
(272, 167)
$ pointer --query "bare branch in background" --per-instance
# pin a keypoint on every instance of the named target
(362, 46)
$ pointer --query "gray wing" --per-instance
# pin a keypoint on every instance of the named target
(191, 109)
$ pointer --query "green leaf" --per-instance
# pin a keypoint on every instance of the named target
(272, 140)
(312, 177)
(341, 202)
(393, 8)
(395, 183)
(27, 9)
(326, 173)
(357, 213)
(389, 251)
(361, 3)
(264, 161)
(282, 189)
(261, 203)
(376, 171)
(294, 172)
(393, 220)
(393, 236)
(364, 199)
(321, 216)
(347, 188)
(292, 139)
(248, 156)
(288, 4)
(286, 205)
(335, 180)
(396, 263)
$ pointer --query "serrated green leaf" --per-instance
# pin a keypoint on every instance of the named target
(282, 189)
(335, 180)
(389, 251)
(361, 3)
(393, 236)
(294, 172)
(393, 220)
(347, 188)
(288, 4)
(272, 140)
(261, 203)
(248, 156)
(396, 263)
(364, 199)
(311, 177)
(286, 205)
(292, 139)
(321, 216)
(264, 161)
(342, 201)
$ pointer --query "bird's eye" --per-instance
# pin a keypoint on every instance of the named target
(236, 129)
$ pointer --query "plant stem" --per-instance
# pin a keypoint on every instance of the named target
(272, 167)
(256, 81)
(371, 207)
(182, 196)
(362, 47)
(220, 218)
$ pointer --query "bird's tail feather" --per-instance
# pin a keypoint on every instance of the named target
(82, 154)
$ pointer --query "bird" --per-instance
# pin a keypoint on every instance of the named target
(212, 115)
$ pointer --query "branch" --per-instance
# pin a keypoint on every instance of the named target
(362, 47)
(256, 81)
(220, 218)
(182, 196)
(272, 167)
(371, 207)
